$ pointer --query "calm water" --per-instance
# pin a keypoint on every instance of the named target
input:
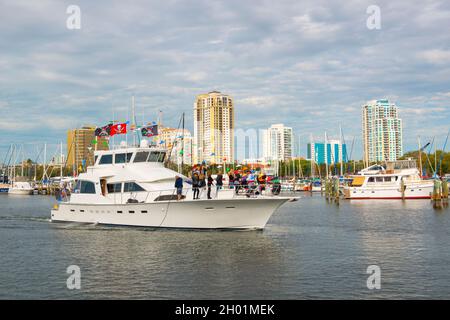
(310, 249)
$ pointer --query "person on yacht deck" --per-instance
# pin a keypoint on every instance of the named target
(179, 186)
(195, 186)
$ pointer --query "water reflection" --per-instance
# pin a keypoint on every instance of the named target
(310, 249)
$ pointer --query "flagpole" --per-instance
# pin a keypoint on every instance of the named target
(113, 116)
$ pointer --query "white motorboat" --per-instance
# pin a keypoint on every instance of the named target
(21, 188)
(395, 180)
(131, 186)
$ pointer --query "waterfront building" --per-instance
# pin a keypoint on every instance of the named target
(81, 144)
(177, 141)
(334, 152)
(213, 128)
(278, 143)
(382, 131)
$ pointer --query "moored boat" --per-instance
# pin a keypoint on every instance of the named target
(4, 187)
(395, 180)
(21, 188)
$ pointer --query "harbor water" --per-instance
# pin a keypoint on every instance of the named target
(310, 249)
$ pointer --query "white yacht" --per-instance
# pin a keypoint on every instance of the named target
(396, 180)
(130, 186)
(21, 188)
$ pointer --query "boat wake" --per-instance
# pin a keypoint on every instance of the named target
(25, 218)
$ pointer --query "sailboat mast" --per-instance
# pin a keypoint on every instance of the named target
(182, 145)
(341, 154)
(435, 160)
(61, 160)
(420, 156)
(133, 122)
(312, 156)
(45, 161)
(326, 154)
(23, 159)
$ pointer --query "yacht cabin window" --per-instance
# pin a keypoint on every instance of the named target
(106, 159)
(85, 187)
(114, 187)
(132, 187)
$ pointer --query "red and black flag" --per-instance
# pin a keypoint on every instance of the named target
(150, 131)
(120, 128)
(103, 131)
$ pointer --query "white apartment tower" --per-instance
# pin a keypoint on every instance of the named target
(382, 131)
(278, 143)
(213, 128)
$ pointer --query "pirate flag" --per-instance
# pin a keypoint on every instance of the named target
(150, 131)
(103, 131)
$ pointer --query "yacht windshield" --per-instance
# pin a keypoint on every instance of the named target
(141, 156)
(157, 156)
(106, 159)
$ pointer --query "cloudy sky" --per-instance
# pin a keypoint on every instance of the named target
(307, 64)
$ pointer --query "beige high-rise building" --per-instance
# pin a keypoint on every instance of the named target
(81, 144)
(213, 128)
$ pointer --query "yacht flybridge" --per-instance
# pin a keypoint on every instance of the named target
(131, 186)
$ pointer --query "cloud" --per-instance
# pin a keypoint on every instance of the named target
(308, 64)
(436, 56)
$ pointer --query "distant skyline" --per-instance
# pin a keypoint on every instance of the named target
(310, 65)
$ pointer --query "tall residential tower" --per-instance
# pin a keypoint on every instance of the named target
(382, 131)
(213, 128)
(278, 143)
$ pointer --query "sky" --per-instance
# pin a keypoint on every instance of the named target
(307, 64)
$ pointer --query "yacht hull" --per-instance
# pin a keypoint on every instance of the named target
(246, 213)
(415, 192)
(20, 191)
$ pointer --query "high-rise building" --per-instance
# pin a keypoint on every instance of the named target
(177, 141)
(382, 131)
(278, 143)
(335, 152)
(81, 144)
(213, 128)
